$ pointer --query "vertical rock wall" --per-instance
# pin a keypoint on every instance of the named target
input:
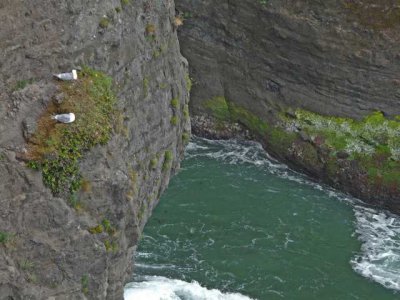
(330, 57)
(46, 248)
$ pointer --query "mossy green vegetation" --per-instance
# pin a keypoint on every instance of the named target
(374, 141)
(219, 108)
(168, 156)
(4, 237)
(281, 139)
(174, 120)
(150, 29)
(185, 137)
(125, 2)
(104, 22)
(153, 163)
(111, 246)
(21, 84)
(96, 229)
(56, 148)
(189, 82)
(85, 284)
(372, 135)
(175, 103)
(26, 265)
(186, 112)
(226, 111)
(251, 121)
(108, 227)
(145, 86)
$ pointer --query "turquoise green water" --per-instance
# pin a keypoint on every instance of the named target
(237, 222)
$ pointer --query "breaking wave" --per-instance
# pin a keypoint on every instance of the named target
(157, 288)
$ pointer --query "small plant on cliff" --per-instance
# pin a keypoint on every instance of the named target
(178, 21)
(21, 84)
(167, 160)
(108, 227)
(175, 103)
(96, 229)
(26, 265)
(4, 237)
(189, 82)
(56, 148)
(186, 112)
(174, 120)
(185, 137)
(150, 29)
(104, 22)
(153, 163)
(85, 284)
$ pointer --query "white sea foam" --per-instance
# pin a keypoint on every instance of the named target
(379, 259)
(162, 288)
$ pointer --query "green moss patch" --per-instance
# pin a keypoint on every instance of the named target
(226, 111)
(22, 84)
(175, 103)
(4, 237)
(174, 120)
(56, 148)
(167, 160)
(104, 22)
(374, 141)
(219, 108)
(372, 135)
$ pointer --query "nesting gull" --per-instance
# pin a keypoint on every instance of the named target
(64, 118)
(67, 76)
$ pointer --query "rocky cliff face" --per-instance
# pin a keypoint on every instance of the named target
(317, 55)
(266, 64)
(80, 246)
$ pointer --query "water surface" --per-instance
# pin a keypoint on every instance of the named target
(235, 224)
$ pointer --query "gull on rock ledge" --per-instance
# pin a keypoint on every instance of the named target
(64, 118)
(67, 76)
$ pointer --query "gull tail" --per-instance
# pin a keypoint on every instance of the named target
(53, 117)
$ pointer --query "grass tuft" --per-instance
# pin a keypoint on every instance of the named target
(175, 103)
(167, 160)
(104, 22)
(56, 148)
(174, 120)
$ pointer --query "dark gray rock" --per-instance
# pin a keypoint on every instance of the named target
(51, 250)
(29, 127)
(315, 55)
